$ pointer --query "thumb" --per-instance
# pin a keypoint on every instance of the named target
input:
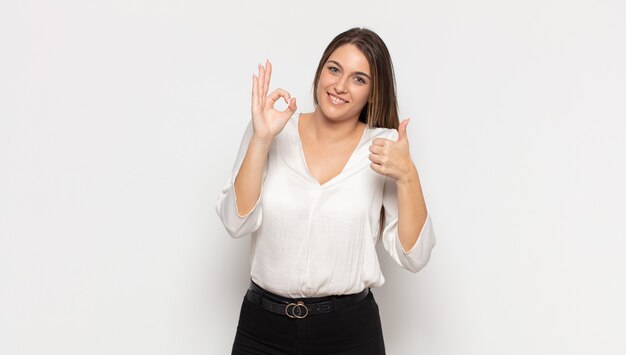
(402, 129)
(292, 105)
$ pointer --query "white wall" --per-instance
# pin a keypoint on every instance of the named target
(120, 121)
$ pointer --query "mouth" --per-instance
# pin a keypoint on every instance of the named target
(335, 100)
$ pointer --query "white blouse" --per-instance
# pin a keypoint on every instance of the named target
(312, 240)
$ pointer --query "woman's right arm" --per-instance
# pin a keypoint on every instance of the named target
(250, 177)
(238, 204)
(239, 216)
(267, 122)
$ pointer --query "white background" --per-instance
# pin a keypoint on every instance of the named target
(120, 121)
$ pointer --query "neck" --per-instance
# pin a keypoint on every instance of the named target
(329, 130)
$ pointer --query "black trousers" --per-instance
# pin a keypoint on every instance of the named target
(353, 330)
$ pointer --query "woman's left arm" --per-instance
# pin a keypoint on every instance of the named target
(411, 208)
(393, 159)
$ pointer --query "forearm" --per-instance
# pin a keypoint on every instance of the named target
(250, 176)
(411, 209)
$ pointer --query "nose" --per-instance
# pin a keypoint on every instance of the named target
(340, 86)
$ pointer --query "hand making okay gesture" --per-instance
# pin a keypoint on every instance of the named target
(392, 158)
(267, 120)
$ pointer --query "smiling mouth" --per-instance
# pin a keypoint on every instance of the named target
(336, 100)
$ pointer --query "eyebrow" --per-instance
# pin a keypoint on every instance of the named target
(356, 72)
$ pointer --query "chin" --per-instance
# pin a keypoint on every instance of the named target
(337, 115)
(332, 112)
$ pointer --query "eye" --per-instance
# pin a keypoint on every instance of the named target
(333, 69)
(360, 80)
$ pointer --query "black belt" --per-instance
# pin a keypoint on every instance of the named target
(300, 308)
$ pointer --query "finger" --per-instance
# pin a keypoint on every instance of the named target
(377, 168)
(381, 141)
(262, 92)
(275, 95)
(376, 149)
(292, 105)
(255, 97)
(268, 75)
(376, 158)
(257, 88)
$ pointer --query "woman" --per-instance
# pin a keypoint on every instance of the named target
(316, 191)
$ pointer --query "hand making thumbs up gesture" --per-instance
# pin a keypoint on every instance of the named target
(268, 121)
(392, 158)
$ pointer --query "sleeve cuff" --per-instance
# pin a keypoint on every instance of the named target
(417, 258)
(425, 232)
(232, 190)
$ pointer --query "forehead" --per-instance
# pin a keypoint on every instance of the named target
(351, 58)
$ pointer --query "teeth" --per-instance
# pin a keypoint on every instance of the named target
(336, 100)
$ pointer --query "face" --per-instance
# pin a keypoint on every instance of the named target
(344, 83)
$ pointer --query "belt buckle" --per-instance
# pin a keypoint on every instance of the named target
(297, 306)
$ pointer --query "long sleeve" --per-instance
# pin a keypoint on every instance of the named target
(416, 258)
(226, 207)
